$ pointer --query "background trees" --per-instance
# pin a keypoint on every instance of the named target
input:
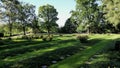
(15, 12)
(112, 10)
(48, 15)
(93, 16)
(87, 11)
(26, 15)
(69, 27)
(9, 11)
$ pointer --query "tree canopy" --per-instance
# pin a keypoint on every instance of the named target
(112, 10)
(48, 16)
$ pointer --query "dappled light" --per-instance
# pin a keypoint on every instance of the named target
(59, 34)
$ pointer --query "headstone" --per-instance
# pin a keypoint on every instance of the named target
(61, 57)
(44, 66)
(54, 61)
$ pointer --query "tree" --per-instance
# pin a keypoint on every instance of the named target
(112, 10)
(69, 27)
(8, 11)
(48, 15)
(35, 25)
(26, 15)
(87, 13)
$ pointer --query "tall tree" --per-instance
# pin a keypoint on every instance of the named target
(35, 25)
(69, 27)
(48, 15)
(26, 15)
(9, 11)
(87, 11)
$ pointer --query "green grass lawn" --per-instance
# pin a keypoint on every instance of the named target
(78, 59)
(36, 53)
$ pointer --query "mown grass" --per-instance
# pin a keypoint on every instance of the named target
(31, 50)
(78, 59)
(35, 52)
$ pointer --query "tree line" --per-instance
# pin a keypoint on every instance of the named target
(90, 16)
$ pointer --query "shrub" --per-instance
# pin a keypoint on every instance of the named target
(9, 38)
(47, 38)
(60, 35)
(82, 38)
(36, 36)
(25, 37)
(1, 34)
(117, 45)
(44, 38)
(41, 36)
(2, 42)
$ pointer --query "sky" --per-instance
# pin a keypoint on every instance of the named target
(63, 7)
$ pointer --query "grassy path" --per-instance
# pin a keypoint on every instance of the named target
(76, 60)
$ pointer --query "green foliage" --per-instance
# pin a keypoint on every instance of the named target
(112, 10)
(82, 38)
(1, 42)
(1, 34)
(60, 35)
(69, 27)
(81, 29)
(48, 15)
(88, 15)
(18, 15)
(26, 15)
(47, 38)
(9, 12)
(117, 45)
(25, 37)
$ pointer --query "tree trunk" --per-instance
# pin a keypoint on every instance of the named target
(88, 31)
(10, 28)
(24, 30)
(48, 32)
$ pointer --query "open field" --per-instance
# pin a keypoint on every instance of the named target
(62, 52)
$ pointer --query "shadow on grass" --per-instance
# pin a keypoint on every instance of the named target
(49, 57)
(52, 56)
(110, 55)
(92, 41)
(79, 59)
(113, 61)
(22, 50)
(12, 44)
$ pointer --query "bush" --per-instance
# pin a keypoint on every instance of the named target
(36, 36)
(82, 38)
(41, 36)
(2, 42)
(25, 37)
(44, 38)
(47, 38)
(1, 34)
(117, 45)
(8, 39)
(60, 35)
